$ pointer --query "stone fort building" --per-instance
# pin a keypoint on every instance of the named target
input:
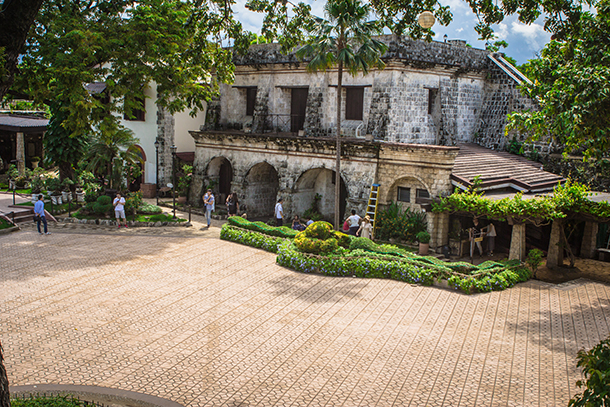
(271, 133)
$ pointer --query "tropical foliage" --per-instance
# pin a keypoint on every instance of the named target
(567, 199)
(394, 222)
(571, 83)
(595, 365)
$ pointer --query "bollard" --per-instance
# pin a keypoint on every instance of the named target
(69, 205)
(189, 213)
(13, 194)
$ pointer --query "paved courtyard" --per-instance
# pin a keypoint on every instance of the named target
(204, 322)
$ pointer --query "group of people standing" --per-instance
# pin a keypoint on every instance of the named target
(357, 226)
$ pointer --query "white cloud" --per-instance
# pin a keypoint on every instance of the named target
(534, 34)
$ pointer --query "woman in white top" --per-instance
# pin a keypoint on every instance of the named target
(366, 228)
(354, 223)
(491, 236)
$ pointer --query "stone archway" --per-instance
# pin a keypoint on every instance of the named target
(220, 174)
(261, 186)
(318, 181)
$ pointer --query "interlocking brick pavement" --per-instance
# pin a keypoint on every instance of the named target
(205, 322)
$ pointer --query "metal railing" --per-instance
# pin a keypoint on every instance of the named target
(276, 123)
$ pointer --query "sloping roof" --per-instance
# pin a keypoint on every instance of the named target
(500, 170)
(23, 124)
(95, 88)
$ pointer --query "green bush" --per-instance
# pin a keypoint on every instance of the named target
(104, 200)
(149, 209)
(423, 237)
(249, 238)
(596, 369)
(394, 222)
(261, 227)
(312, 245)
(319, 230)
(363, 243)
(342, 239)
(133, 201)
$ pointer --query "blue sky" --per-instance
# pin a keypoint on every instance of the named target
(524, 40)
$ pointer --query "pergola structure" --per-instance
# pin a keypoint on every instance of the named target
(21, 139)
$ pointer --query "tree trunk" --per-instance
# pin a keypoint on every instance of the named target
(338, 161)
(16, 17)
(5, 399)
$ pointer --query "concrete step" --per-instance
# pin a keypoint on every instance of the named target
(22, 214)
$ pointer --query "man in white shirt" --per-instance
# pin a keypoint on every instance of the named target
(119, 209)
(354, 223)
(279, 213)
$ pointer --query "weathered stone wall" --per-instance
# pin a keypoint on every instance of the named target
(165, 134)
(266, 168)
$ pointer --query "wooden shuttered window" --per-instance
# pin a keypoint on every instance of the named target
(250, 101)
(354, 103)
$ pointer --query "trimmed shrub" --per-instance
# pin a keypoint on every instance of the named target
(261, 227)
(104, 200)
(312, 245)
(249, 238)
(149, 209)
(342, 239)
(319, 230)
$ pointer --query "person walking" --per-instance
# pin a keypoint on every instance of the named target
(366, 228)
(209, 202)
(39, 216)
(232, 204)
(279, 213)
(354, 223)
(119, 209)
(476, 237)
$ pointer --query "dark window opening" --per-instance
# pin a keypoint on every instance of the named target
(404, 194)
(250, 101)
(137, 115)
(298, 108)
(432, 94)
(422, 193)
(354, 103)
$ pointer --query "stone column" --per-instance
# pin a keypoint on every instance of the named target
(438, 227)
(555, 254)
(20, 153)
(517, 243)
(589, 240)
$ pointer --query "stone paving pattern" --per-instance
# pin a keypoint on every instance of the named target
(205, 322)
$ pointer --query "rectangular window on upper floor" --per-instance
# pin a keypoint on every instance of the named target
(250, 101)
(137, 115)
(354, 103)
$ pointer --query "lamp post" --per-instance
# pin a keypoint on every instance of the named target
(157, 168)
(173, 148)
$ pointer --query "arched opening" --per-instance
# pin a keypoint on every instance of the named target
(220, 176)
(318, 181)
(138, 180)
(408, 192)
(260, 191)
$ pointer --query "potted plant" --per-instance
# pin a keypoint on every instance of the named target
(37, 184)
(52, 185)
(35, 160)
(66, 193)
(424, 242)
(184, 183)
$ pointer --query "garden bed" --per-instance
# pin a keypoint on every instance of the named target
(365, 259)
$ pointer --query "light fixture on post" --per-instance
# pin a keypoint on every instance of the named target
(157, 168)
(173, 149)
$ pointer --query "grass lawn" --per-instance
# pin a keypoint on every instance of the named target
(27, 191)
(55, 401)
(4, 224)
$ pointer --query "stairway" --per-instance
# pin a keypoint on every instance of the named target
(371, 208)
(22, 213)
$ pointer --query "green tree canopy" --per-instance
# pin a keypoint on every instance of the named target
(175, 44)
(345, 41)
(572, 87)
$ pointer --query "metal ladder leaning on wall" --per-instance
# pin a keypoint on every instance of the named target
(371, 208)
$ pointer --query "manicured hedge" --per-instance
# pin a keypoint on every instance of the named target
(261, 227)
(369, 260)
(408, 270)
(250, 238)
